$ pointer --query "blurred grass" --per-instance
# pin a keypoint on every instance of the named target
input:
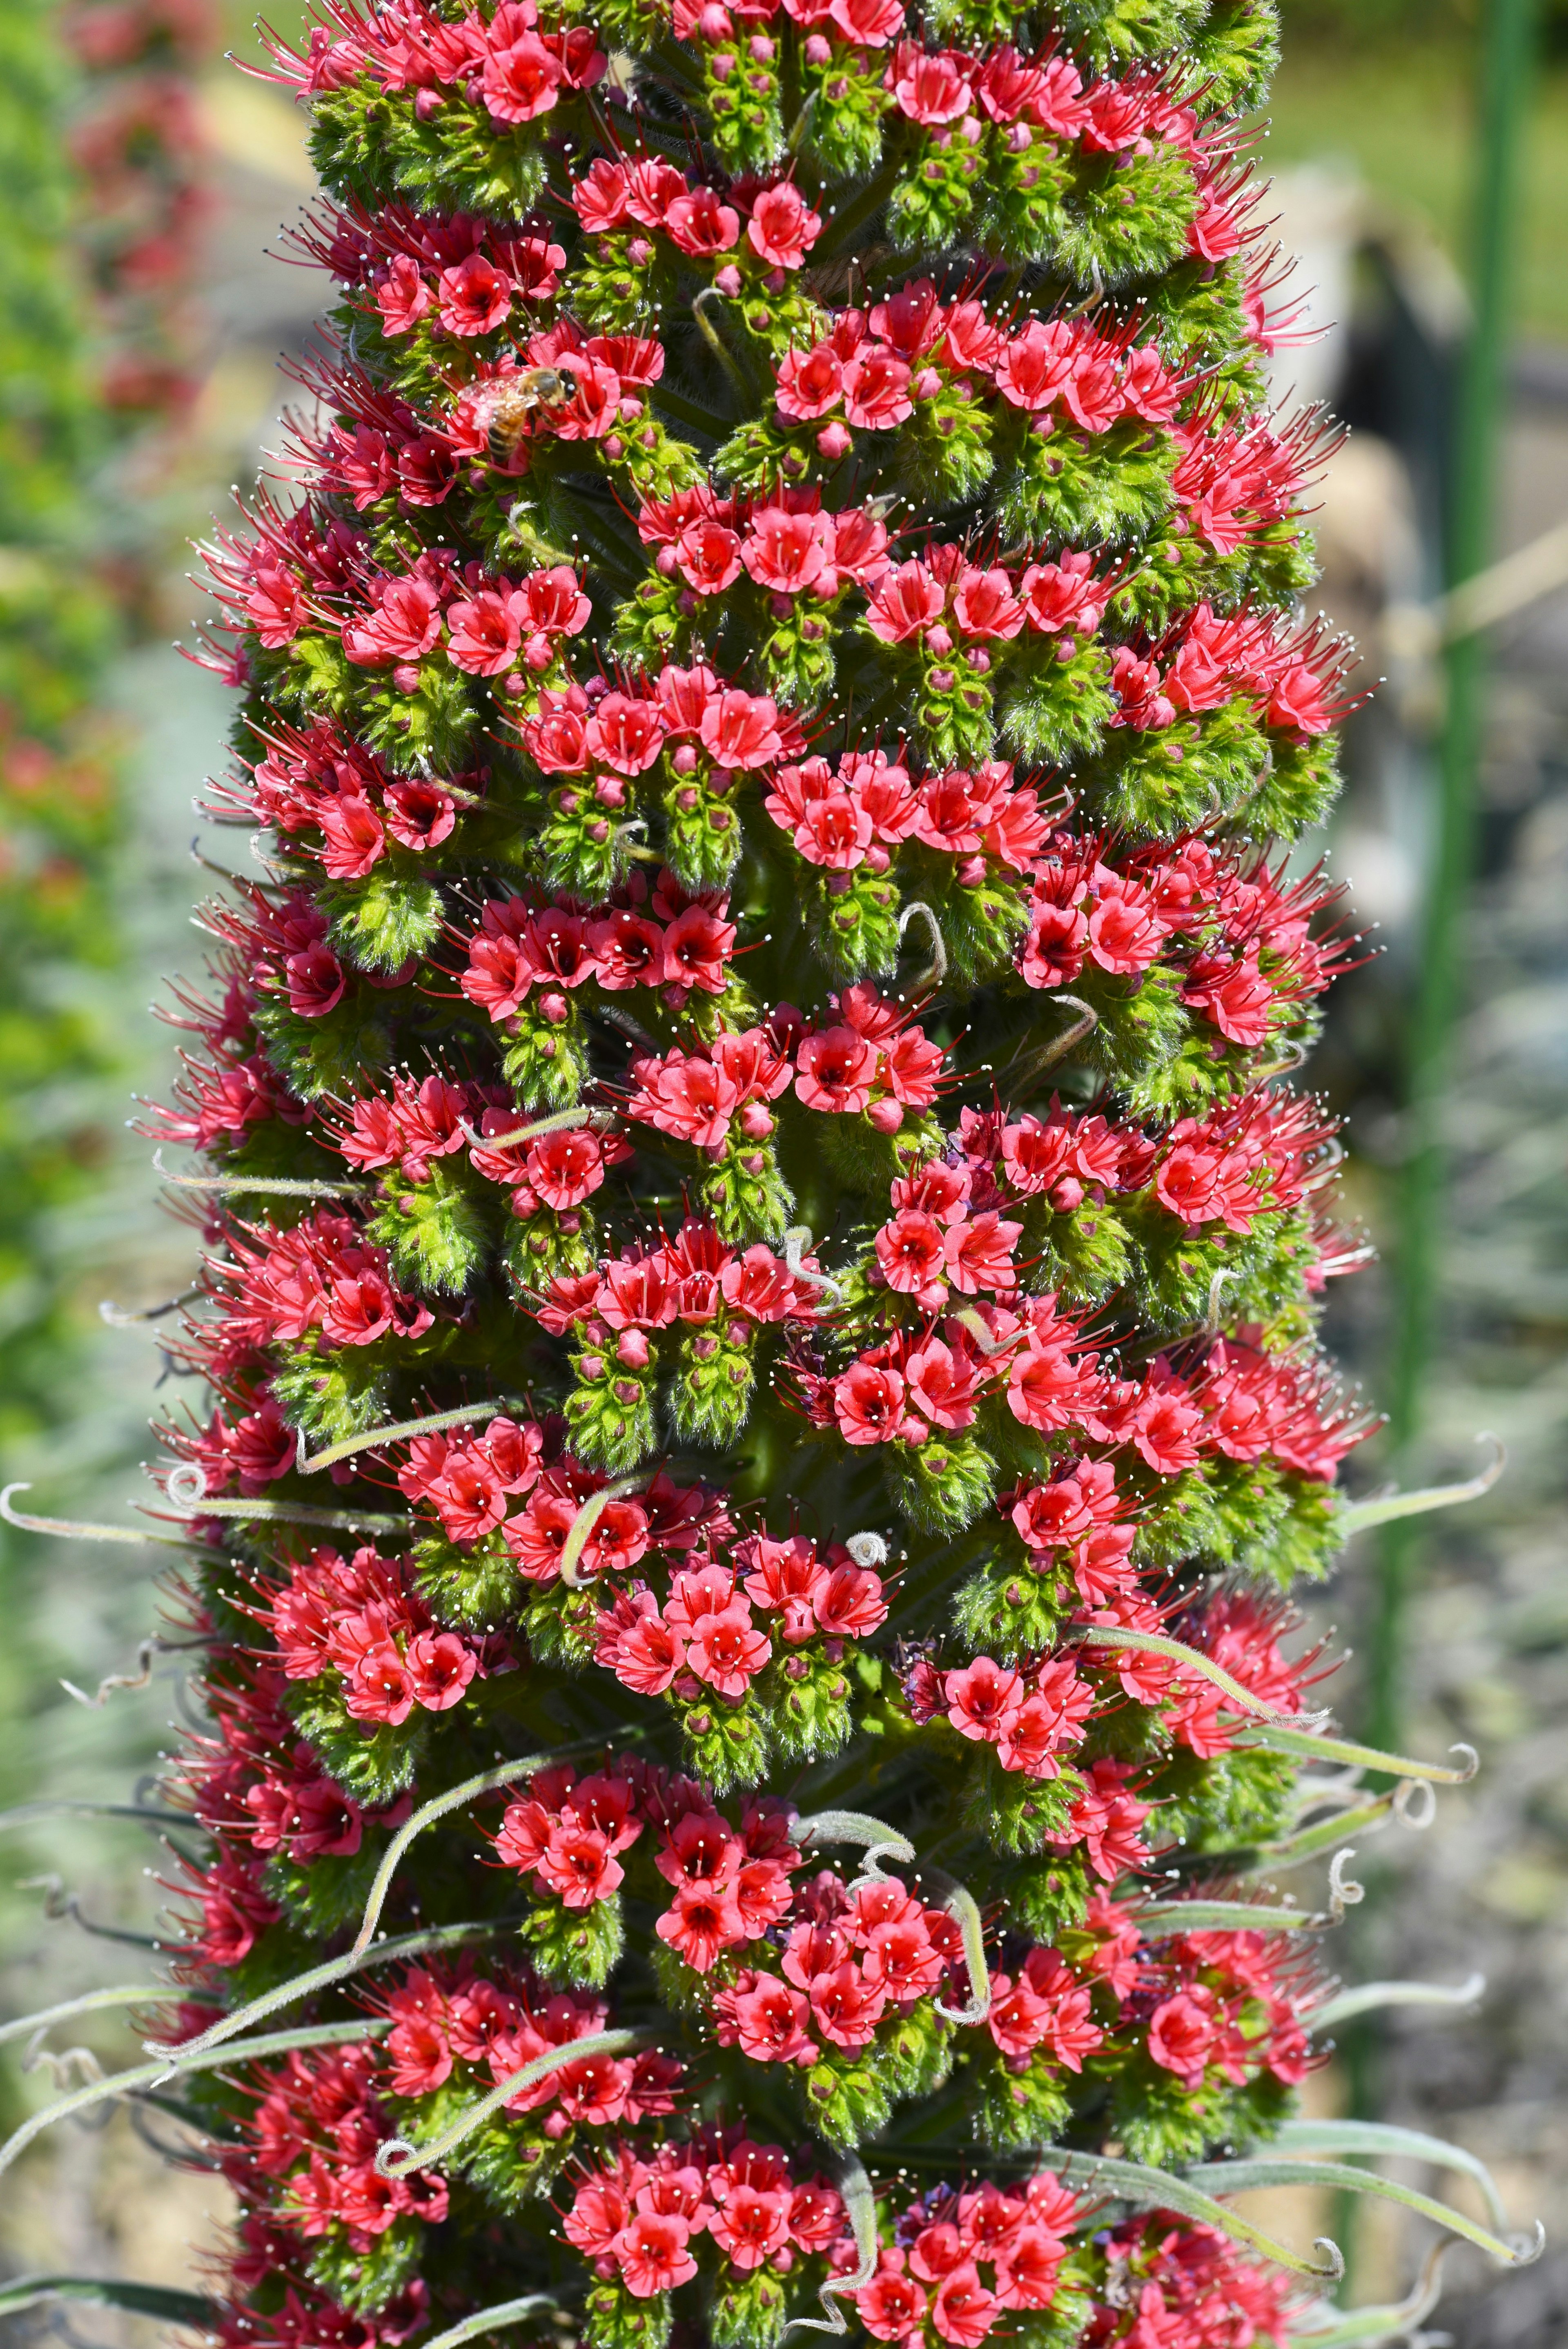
(1401, 114)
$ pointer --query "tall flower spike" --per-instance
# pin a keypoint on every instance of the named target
(717, 565)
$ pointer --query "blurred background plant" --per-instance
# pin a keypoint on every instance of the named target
(136, 268)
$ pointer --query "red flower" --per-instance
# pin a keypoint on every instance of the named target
(931, 89)
(767, 2020)
(790, 552)
(1182, 2032)
(701, 1923)
(472, 296)
(741, 730)
(522, 81)
(835, 1070)
(876, 390)
(983, 1700)
(707, 556)
(727, 1650)
(906, 601)
(869, 1405)
(910, 1251)
(440, 1668)
(749, 2226)
(782, 227)
(652, 2255)
(893, 2307)
(963, 2311)
(578, 1865)
(699, 224)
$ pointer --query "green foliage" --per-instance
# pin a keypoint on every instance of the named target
(373, 1762)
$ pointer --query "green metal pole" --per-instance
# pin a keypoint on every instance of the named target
(1508, 47)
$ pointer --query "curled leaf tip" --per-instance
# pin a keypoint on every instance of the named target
(1357, 1516)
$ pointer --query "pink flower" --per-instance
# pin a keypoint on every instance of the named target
(702, 1921)
(1037, 365)
(707, 556)
(741, 730)
(790, 552)
(851, 1606)
(522, 81)
(963, 2311)
(893, 2307)
(440, 1668)
(985, 605)
(782, 227)
(402, 295)
(768, 2021)
(472, 296)
(876, 390)
(906, 601)
(941, 1383)
(1163, 1431)
(869, 1405)
(700, 224)
(625, 734)
(909, 1250)
(578, 1865)
(599, 198)
(983, 1700)
(931, 89)
(810, 383)
(485, 632)
(835, 1070)
(652, 2255)
(727, 1650)
(846, 2006)
(868, 23)
(749, 2226)
(1182, 2032)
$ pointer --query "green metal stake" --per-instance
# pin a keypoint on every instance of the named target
(1508, 49)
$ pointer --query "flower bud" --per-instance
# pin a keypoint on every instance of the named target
(554, 1008)
(885, 1115)
(632, 1350)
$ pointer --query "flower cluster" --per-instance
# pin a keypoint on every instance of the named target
(317, 780)
(675, 941)
(1260, 1154)
(644, 2222)
(1185, 2287)
(1245, 943)
(708, 1633)
(963, 2260)
(871, 1058)
(780, 226)
(788, 545)
(874, 365)
(317, 2120)
(515, 72)
(359, 1619)
(259, 1783)
(320, 1275)
(1030, 1717)
(1240, 1402)
(859, 811)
